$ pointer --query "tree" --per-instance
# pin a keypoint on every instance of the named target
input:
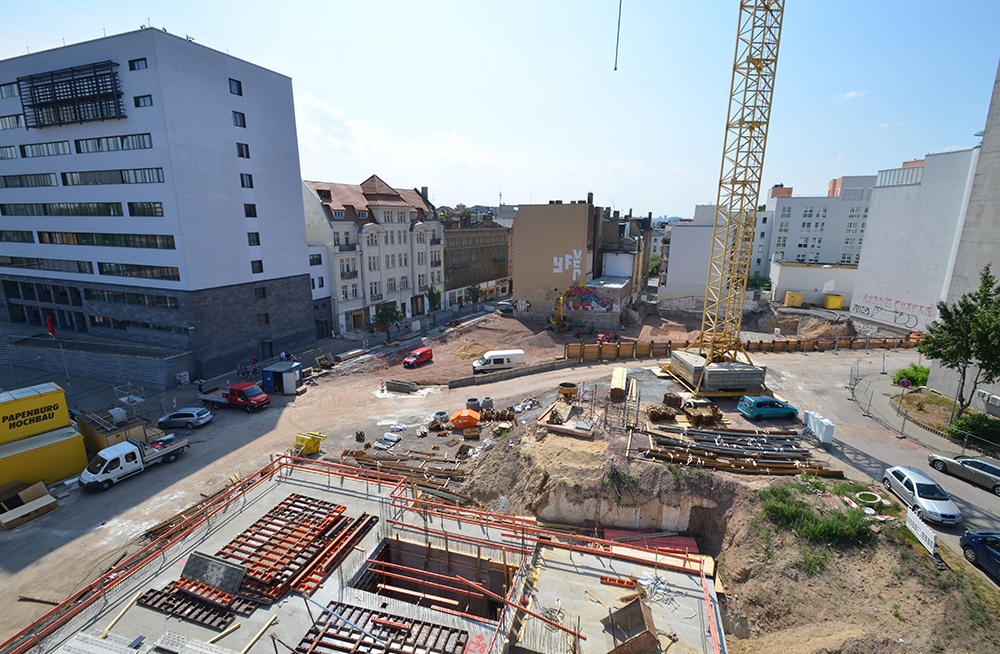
(434, 297)
(473, 294)
(966, 338)
(654, 264)
(386, 315)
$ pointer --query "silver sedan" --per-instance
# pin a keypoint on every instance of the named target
(981, 470)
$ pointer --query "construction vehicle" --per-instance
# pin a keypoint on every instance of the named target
(713, 365)
(247, 395)
(118, 462)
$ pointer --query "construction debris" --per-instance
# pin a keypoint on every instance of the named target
(661, 413)
(699, 416)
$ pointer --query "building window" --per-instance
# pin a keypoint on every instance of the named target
(848, 243)
(246, 181)
(239, 120)
(62, 209)
(800, 258)
(814, 257)
(845, 258)
(354, 290)
(242, 150)
(253, 238)
(145, 208)
(256, 266)
(315, 259)
(10, 236)
(807, 212)
(373, 262)
(114, 143)
(819, 227)
(390, 284)
(781, 241)
(250, 210)
(11, 122)
(45, 149)
(421, 258)
(260, 293)
(854, 213)
(26, 181)
(806, 227)
(143, 100)
(803, 241)
(312, 282)
(339, 214)
(343, 292)
(138, 270)
(758, 262)
(372, 240)
(404, 282)
(363, 214)
(235, 87)
(137, 64)
(763, 221)
(782, 228)
(374, 289)
(162, 301)
(421, 280)
(8, 90)
(760, 248)
(132, 176)
(8, 152)
(816, 242)
(321, 282)
(857, 259)
(155, 241)
(263, 319)
(55, 265)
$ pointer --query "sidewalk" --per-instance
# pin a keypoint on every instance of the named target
(873, 395)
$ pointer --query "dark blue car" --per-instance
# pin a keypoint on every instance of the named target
(982, 548)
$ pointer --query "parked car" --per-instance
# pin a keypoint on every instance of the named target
(505, 307)
(190, 417)
(418, 356)
(757, 407)
(980, 470)
(922, 494)
(982, 548)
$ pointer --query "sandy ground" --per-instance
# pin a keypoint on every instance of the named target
(786, 611)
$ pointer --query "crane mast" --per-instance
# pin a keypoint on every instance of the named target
(750, 95)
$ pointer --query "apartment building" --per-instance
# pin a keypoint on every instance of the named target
(475, 254)
(381, 245)
(820, 229)
(150, 192)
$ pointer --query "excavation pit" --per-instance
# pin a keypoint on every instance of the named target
(432, 577)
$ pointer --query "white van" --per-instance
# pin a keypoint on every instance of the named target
(499, 360)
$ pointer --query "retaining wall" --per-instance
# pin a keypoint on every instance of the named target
(154, 374)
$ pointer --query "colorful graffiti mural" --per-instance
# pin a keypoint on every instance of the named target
(583, 298)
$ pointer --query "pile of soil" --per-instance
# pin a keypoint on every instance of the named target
(472, 351)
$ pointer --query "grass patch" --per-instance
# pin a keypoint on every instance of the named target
(675, 471)
(812, 560)
(783, 508)
(503, 434)
(895, 612)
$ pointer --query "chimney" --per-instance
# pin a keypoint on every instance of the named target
(423, 192)
(590, 198)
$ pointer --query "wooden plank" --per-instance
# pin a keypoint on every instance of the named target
(418, 595)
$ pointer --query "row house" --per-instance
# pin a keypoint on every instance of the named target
(376, 245)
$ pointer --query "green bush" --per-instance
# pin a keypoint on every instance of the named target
(916, 374)
(979, 425)
(786, 510)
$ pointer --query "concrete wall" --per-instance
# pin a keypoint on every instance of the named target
(915, 228)
(813, 281)
(687, 269)
(550, 248)
(980, 241)
(153, 374)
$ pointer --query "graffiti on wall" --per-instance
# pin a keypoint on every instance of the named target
(567, 263)
(584, 298)
(884, 309)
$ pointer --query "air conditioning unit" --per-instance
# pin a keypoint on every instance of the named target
(994, 400)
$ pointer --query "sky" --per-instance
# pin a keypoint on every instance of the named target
(475, 99)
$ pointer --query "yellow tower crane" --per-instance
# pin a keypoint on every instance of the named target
(750, 95)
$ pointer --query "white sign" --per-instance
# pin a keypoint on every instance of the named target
(567, 263)
(920, 530)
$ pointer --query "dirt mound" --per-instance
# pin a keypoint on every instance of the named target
(472, 351)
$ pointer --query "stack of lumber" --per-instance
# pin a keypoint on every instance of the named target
(762, 454)
(435, 475)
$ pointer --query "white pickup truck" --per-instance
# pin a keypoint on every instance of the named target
(130, 457)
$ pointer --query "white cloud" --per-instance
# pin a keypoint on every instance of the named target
(325, 128)
(850, 95)
(885, 125)
(839, 159)
(450, 146)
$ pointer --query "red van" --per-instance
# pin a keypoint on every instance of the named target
(418, 356)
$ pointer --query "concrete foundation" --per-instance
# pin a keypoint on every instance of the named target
(732, 377)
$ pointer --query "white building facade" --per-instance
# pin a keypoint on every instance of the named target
(826, 229)
(918, 213)
(150, 192)
(382, 246)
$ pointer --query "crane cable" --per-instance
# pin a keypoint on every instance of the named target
(618, 35)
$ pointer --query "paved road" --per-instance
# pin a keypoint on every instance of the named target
(820, 382)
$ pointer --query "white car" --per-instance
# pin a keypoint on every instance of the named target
(922, 494)
(190, 417)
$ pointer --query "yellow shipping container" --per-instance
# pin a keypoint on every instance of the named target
(793, 299)
(833, 301)
(33, 410)
(97, 436)
(46, 457)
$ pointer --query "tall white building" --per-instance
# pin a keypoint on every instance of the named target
(382, 245)
(150, 192)
(918, 212)
(821, 229)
